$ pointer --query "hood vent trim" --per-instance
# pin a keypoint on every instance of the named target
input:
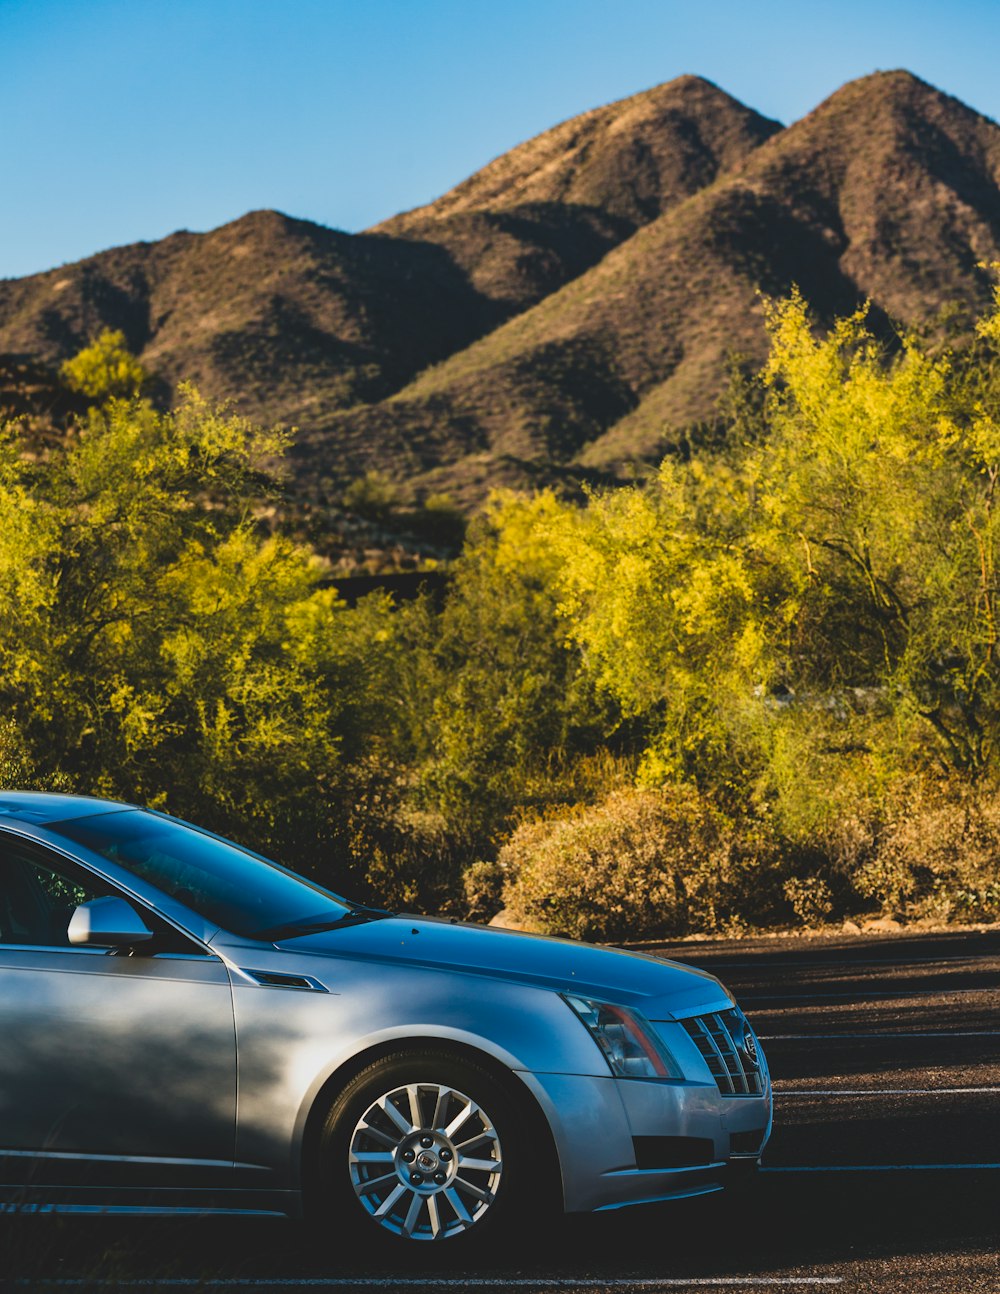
(279, 979)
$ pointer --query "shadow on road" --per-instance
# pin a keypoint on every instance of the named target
(839, 1222)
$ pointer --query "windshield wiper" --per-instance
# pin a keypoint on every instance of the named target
(295, 928)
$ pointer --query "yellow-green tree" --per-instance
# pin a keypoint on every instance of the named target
(659, 591)
(154, 646)
(105, 368)
(845, 559)
(498, 702)
(876, 493)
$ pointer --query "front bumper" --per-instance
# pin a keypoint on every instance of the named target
(634, 1141)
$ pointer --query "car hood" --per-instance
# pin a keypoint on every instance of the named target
(660, 989)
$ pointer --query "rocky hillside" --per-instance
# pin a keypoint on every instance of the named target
(569, 309)
(888, 191)
(295, 321)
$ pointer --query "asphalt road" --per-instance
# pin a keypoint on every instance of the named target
(883, 1172)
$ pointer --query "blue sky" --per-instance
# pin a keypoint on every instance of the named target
(128, 119)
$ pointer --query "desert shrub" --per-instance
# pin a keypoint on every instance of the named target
(980, 904)
(607, 872)
(382, 849)
(410, 864)
(937, 852)
(482, 886)
(438, 520)
(810, 897)
(549, 795)
(639, 863)
(372, 496)
(824, 806)
(18, 771)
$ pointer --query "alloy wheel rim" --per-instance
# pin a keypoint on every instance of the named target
(425, 1161)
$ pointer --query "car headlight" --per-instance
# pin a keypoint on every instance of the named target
(628, 1042)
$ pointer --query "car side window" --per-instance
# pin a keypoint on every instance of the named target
(40, 891)
(37, 899)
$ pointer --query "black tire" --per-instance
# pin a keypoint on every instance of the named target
(381, 1197)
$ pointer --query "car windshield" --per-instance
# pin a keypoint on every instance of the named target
(217, 879)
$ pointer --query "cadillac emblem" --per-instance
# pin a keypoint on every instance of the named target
(749, 1047)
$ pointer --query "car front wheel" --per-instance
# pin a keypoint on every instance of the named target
(426, 1146)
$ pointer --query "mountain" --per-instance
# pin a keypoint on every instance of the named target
(537, 216)
(294, 321)
(291, 320)
(568, 310)
(889, 191)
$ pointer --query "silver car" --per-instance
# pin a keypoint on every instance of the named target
(185, 1025)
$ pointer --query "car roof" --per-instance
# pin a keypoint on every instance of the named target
(48, 806)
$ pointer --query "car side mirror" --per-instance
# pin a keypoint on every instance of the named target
(111, 922)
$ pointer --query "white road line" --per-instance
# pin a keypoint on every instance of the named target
(884, 1091)
(876, 1168)
(457, 1282)
(887, 994)
(846, 965)
(825, 1037)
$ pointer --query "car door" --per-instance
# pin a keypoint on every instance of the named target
(114, 1068)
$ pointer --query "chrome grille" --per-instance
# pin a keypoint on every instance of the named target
(719, 1037)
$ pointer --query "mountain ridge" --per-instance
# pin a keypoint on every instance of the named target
(652, 324)
(688, 127)
(568, 311)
